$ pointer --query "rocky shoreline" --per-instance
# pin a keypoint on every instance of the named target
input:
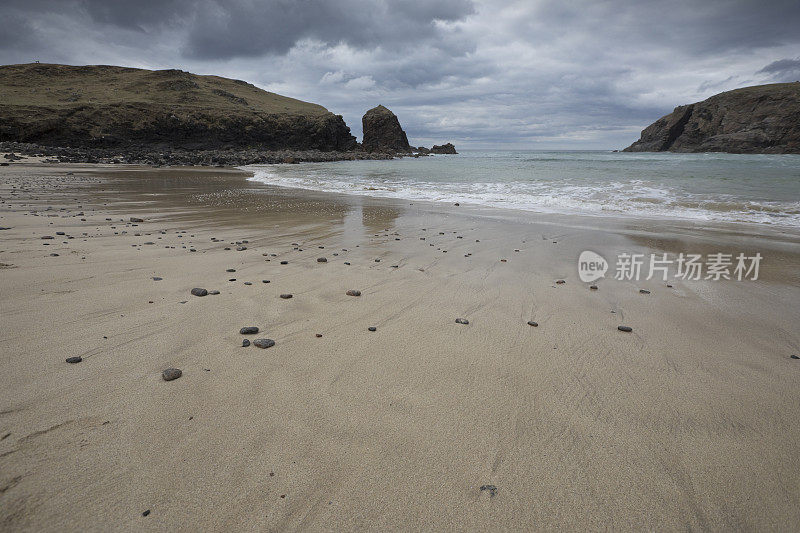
(147, 155)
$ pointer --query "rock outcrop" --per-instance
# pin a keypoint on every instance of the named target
(117, 107)
(382, 132)
(760, 119)
(443, 149)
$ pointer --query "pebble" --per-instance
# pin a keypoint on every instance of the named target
(171, 373)
(353, 292)
(241, 248)
(286, 296)
(248, 330)
(318, 335)
(213, 292)
(134, 219)
(793, 356)
(347, 263)
(245, 343)
(462, 321)
(147, 512)
(47, 237)
(284, 262)
(372, 328)
(560, 282)
(491, 489)
(532, 323)
(264, 281)
(263, 343)
(156, 278)
(593, 287)
(230, 270)
(74, 360)
(644, 291)
(321, 260)
(199, 292)
(625, 328)
(248, 282)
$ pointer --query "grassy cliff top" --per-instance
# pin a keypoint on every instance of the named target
(64, 86)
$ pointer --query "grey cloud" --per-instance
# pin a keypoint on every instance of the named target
(782, 70)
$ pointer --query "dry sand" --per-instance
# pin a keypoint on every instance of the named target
(692, 421)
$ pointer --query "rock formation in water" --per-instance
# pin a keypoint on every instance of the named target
(107, 106)
(443, 149)
(382, 132)
(760, 119)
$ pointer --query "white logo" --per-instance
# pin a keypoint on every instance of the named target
(591, 266)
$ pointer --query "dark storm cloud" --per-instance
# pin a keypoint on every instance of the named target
(231, 29)
(524, 72)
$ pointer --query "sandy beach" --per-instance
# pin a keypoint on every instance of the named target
(690, 421)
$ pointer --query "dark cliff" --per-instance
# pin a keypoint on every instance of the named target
(760, 119)
(107, 106)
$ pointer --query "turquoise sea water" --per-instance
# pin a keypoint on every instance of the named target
(761, 189)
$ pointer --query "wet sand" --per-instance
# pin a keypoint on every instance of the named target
(691, 421)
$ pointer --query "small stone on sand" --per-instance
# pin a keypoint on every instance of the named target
(372, 328)
(462, 321)
(248, 330)
(286, 296)
(171, 373)
(532, 323)
(353, 292)
(73, 360)
(263, 343)
(245, 343)
(199, 292)
(625, 328)
(321, 260)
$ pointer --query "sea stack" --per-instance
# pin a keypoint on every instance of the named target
(763, 119)
(382, 132)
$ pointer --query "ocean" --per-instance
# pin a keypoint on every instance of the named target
(758, 189)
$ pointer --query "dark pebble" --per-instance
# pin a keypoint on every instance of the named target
(230, 270)
(625, 328)
(156, 278)
(241, 248)
(263, 343)
(319, 335)
(248, 282)
(248, 330)
(560, 282)
(284, 262)
(147, 512)
(171, 373)
(593, 287)
(644, 291)
(134, 219)
(353, 292)
(74, 360)
(532, 323)
(264, 281)
(286, 296)
(245, 343)
(321, 260)
(491, 489)
(199, 292)
(372, 328)
(793, 356)
(462, 321)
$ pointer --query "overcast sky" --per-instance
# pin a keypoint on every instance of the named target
(480, 73)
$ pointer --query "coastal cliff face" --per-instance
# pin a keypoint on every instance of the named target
(760, 119)
(107, 106)
(382, 132)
